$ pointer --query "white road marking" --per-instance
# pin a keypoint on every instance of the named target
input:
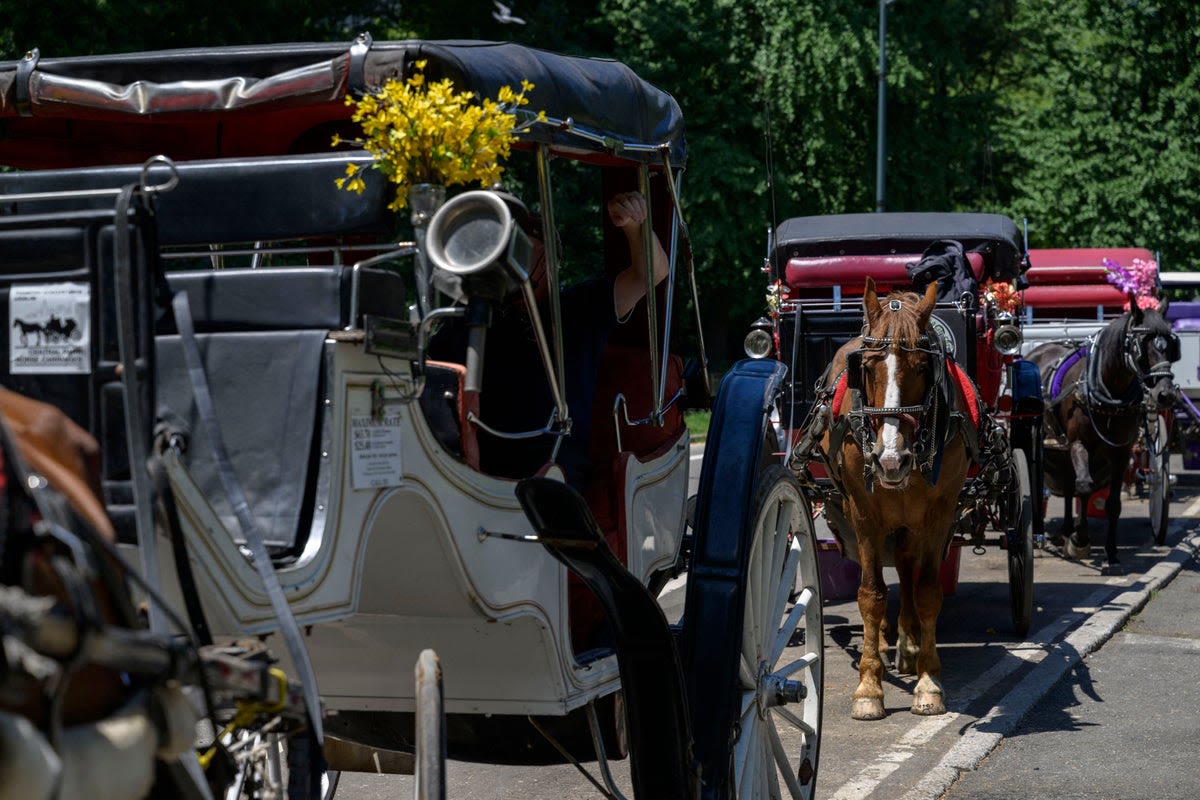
(673, 585)
(870, 777)
(1193, 510)
(1034, 650)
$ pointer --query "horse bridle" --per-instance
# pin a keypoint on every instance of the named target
(1094, 394)
(862, 418)
(1136, 337)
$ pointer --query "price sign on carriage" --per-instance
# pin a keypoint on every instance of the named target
(375, 452)
(50, 332)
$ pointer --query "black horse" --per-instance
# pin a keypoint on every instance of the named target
(1099, 395)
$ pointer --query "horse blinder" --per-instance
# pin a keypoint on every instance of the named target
(854, 370)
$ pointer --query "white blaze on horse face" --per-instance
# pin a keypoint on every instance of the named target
(891, 425)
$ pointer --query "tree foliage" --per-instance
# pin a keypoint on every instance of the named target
(1078, 115)
(1097, 131)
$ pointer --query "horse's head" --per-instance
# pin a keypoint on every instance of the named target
(895, 373)
(1153, 346)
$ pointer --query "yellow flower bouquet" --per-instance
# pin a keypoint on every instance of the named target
(419, 132)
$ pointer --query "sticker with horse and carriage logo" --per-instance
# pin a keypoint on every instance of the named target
(49, 332)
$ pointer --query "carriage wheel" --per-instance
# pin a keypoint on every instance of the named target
(1017, 514)
(296, 753)
(776, 732)
(754, 668)
(1158, 481)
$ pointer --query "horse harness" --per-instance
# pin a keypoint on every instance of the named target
(1093, 395)
(934, 420)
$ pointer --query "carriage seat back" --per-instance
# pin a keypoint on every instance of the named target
(1073, 281)
(815, 276)
(261, 335)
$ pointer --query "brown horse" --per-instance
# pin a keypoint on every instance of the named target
(1099, 395)
(897, 454)
(49, 471)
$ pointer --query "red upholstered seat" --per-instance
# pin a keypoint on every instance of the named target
(849, 272)
(1066, 296)
(1079, 265)
(623, 370)
(1075, 279)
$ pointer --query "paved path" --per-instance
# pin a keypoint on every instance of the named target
(1120, 724)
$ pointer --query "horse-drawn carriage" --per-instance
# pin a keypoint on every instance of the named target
(1106, 356)
(260, 340)
(908, 420)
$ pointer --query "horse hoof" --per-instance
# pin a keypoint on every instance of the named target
(867, 708)
(1076, 551)
(928, 704)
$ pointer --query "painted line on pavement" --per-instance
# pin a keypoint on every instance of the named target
(1032, 650)
(981, 737)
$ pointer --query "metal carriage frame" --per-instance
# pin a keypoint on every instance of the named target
(817, 267)
(294, 532)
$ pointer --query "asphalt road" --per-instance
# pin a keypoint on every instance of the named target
(993, 680)
(1120, 725)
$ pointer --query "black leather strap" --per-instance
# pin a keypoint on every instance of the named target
(25, 68)
(183, 565)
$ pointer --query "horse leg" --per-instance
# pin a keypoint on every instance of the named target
(1112, 510)
(1083, 472)
(928, 697)
(872, 605)
(1077, 544)
(908, 638)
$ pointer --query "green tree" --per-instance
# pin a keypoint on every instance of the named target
(87, 27)
(810, 68)
(1099, 124)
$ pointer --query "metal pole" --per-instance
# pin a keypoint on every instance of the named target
(881, 116)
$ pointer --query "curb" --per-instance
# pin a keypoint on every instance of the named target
(982, 736)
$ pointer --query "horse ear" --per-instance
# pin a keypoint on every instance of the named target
(871, 305)
(1135, 311)
(925, 307)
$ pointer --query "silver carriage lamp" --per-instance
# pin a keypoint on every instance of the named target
(472, 233)
(479, 251)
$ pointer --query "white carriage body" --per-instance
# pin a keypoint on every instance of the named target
(1186, 322)
(390, 571)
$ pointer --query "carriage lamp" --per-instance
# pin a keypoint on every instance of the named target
(478, 251)
(472, 235)
(1007, 337)
(760, 342)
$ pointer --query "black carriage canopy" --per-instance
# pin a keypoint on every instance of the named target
(290, 98)
(995, 235)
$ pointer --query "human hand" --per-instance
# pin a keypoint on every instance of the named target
(627, 209)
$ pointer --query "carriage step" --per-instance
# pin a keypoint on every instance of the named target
(659, 732)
